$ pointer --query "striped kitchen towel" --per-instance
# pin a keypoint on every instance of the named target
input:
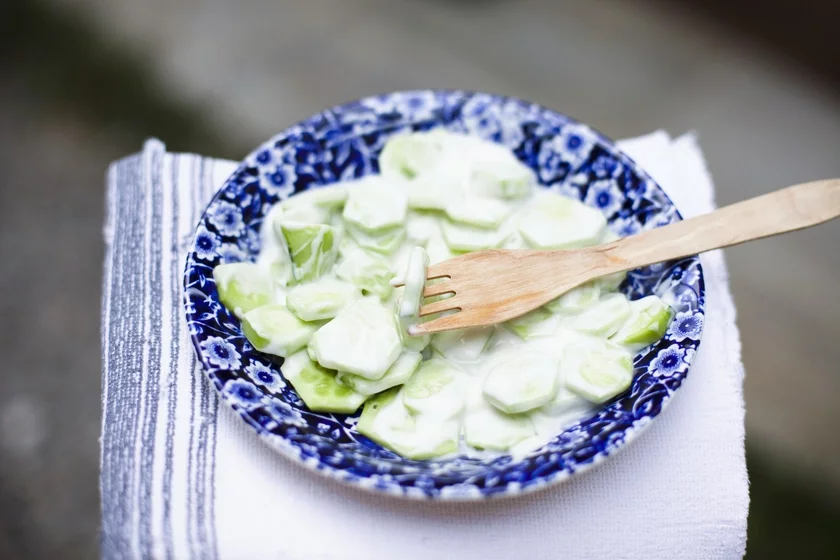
(182, 477)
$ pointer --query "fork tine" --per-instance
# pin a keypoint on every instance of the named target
(449, 322)
(439, 306)
(439, 270)
(438, 289)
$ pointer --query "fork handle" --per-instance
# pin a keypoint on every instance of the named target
(788, 209)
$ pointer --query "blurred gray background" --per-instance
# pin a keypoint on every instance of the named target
(83, 82)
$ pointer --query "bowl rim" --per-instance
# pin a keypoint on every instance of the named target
(285, 448)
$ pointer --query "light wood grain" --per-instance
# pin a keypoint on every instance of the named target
(497, 285)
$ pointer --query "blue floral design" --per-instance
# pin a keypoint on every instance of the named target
(574, 143)
(605, 195)
(206, 244)
(672, 360)
(221, 353)
(231, 254)
(227, 218)
(688, 324)
(242, 393)
(605, 166)
(345, 142)
(263, 375)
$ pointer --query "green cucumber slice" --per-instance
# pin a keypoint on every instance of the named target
(605, 317)
(242, 287)
(369, 272)
(274, 255)
(476, 211)
(565, 402)
(385, 242)
(363, 339)
(437, 389)
(438, 250)
(386, 421)
(313, 247)
(539, 322)
(496, 172)
(374, 206)
(430, 192)
(414, 278)
(318, 388)
(522, 383)
(273, 329)
(303, 212)
(407, 156)
(464, 238)
(399, 372)
(327, 196)
(321, 300)
(576, 299)
(553, 221)
(421, 227)
(611, 282)
(465, 345)
(596, 371)
(649, 319)
(487, 428)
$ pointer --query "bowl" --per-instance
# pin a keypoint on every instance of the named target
(344, 143)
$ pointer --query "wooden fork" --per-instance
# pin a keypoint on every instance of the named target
(496, 285)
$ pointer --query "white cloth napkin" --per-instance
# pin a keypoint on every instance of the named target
(182, 477)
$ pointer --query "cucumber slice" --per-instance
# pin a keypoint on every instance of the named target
(465, 345)
(274, 256)
(415, 343)
(577, 299)
(558, 222)
(430, 192)
(369, 272)
(496, 172)
(460, 237)
(420, 228)
(437, 389)
(385, 242)
(522, 383)
(242, 287)
(438, 250)
(605, 317)
(611, 282)
(363, 339)
(313, 247)
(649, 319)
(414, 279)
(374, 206)
(487, 428)
(386, 421)
(596, 371)
(397, 374)
(320, 300)
(273, 329)
(477, 211)
(318, 388)
(304, 212)
(538, 322)
(407, 156)
(564, 402)
(327, 196)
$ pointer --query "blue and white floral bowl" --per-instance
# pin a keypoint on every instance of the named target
(344, 142)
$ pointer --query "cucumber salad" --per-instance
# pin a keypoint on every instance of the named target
(321, 296)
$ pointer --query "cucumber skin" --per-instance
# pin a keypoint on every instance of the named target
(306, 385)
